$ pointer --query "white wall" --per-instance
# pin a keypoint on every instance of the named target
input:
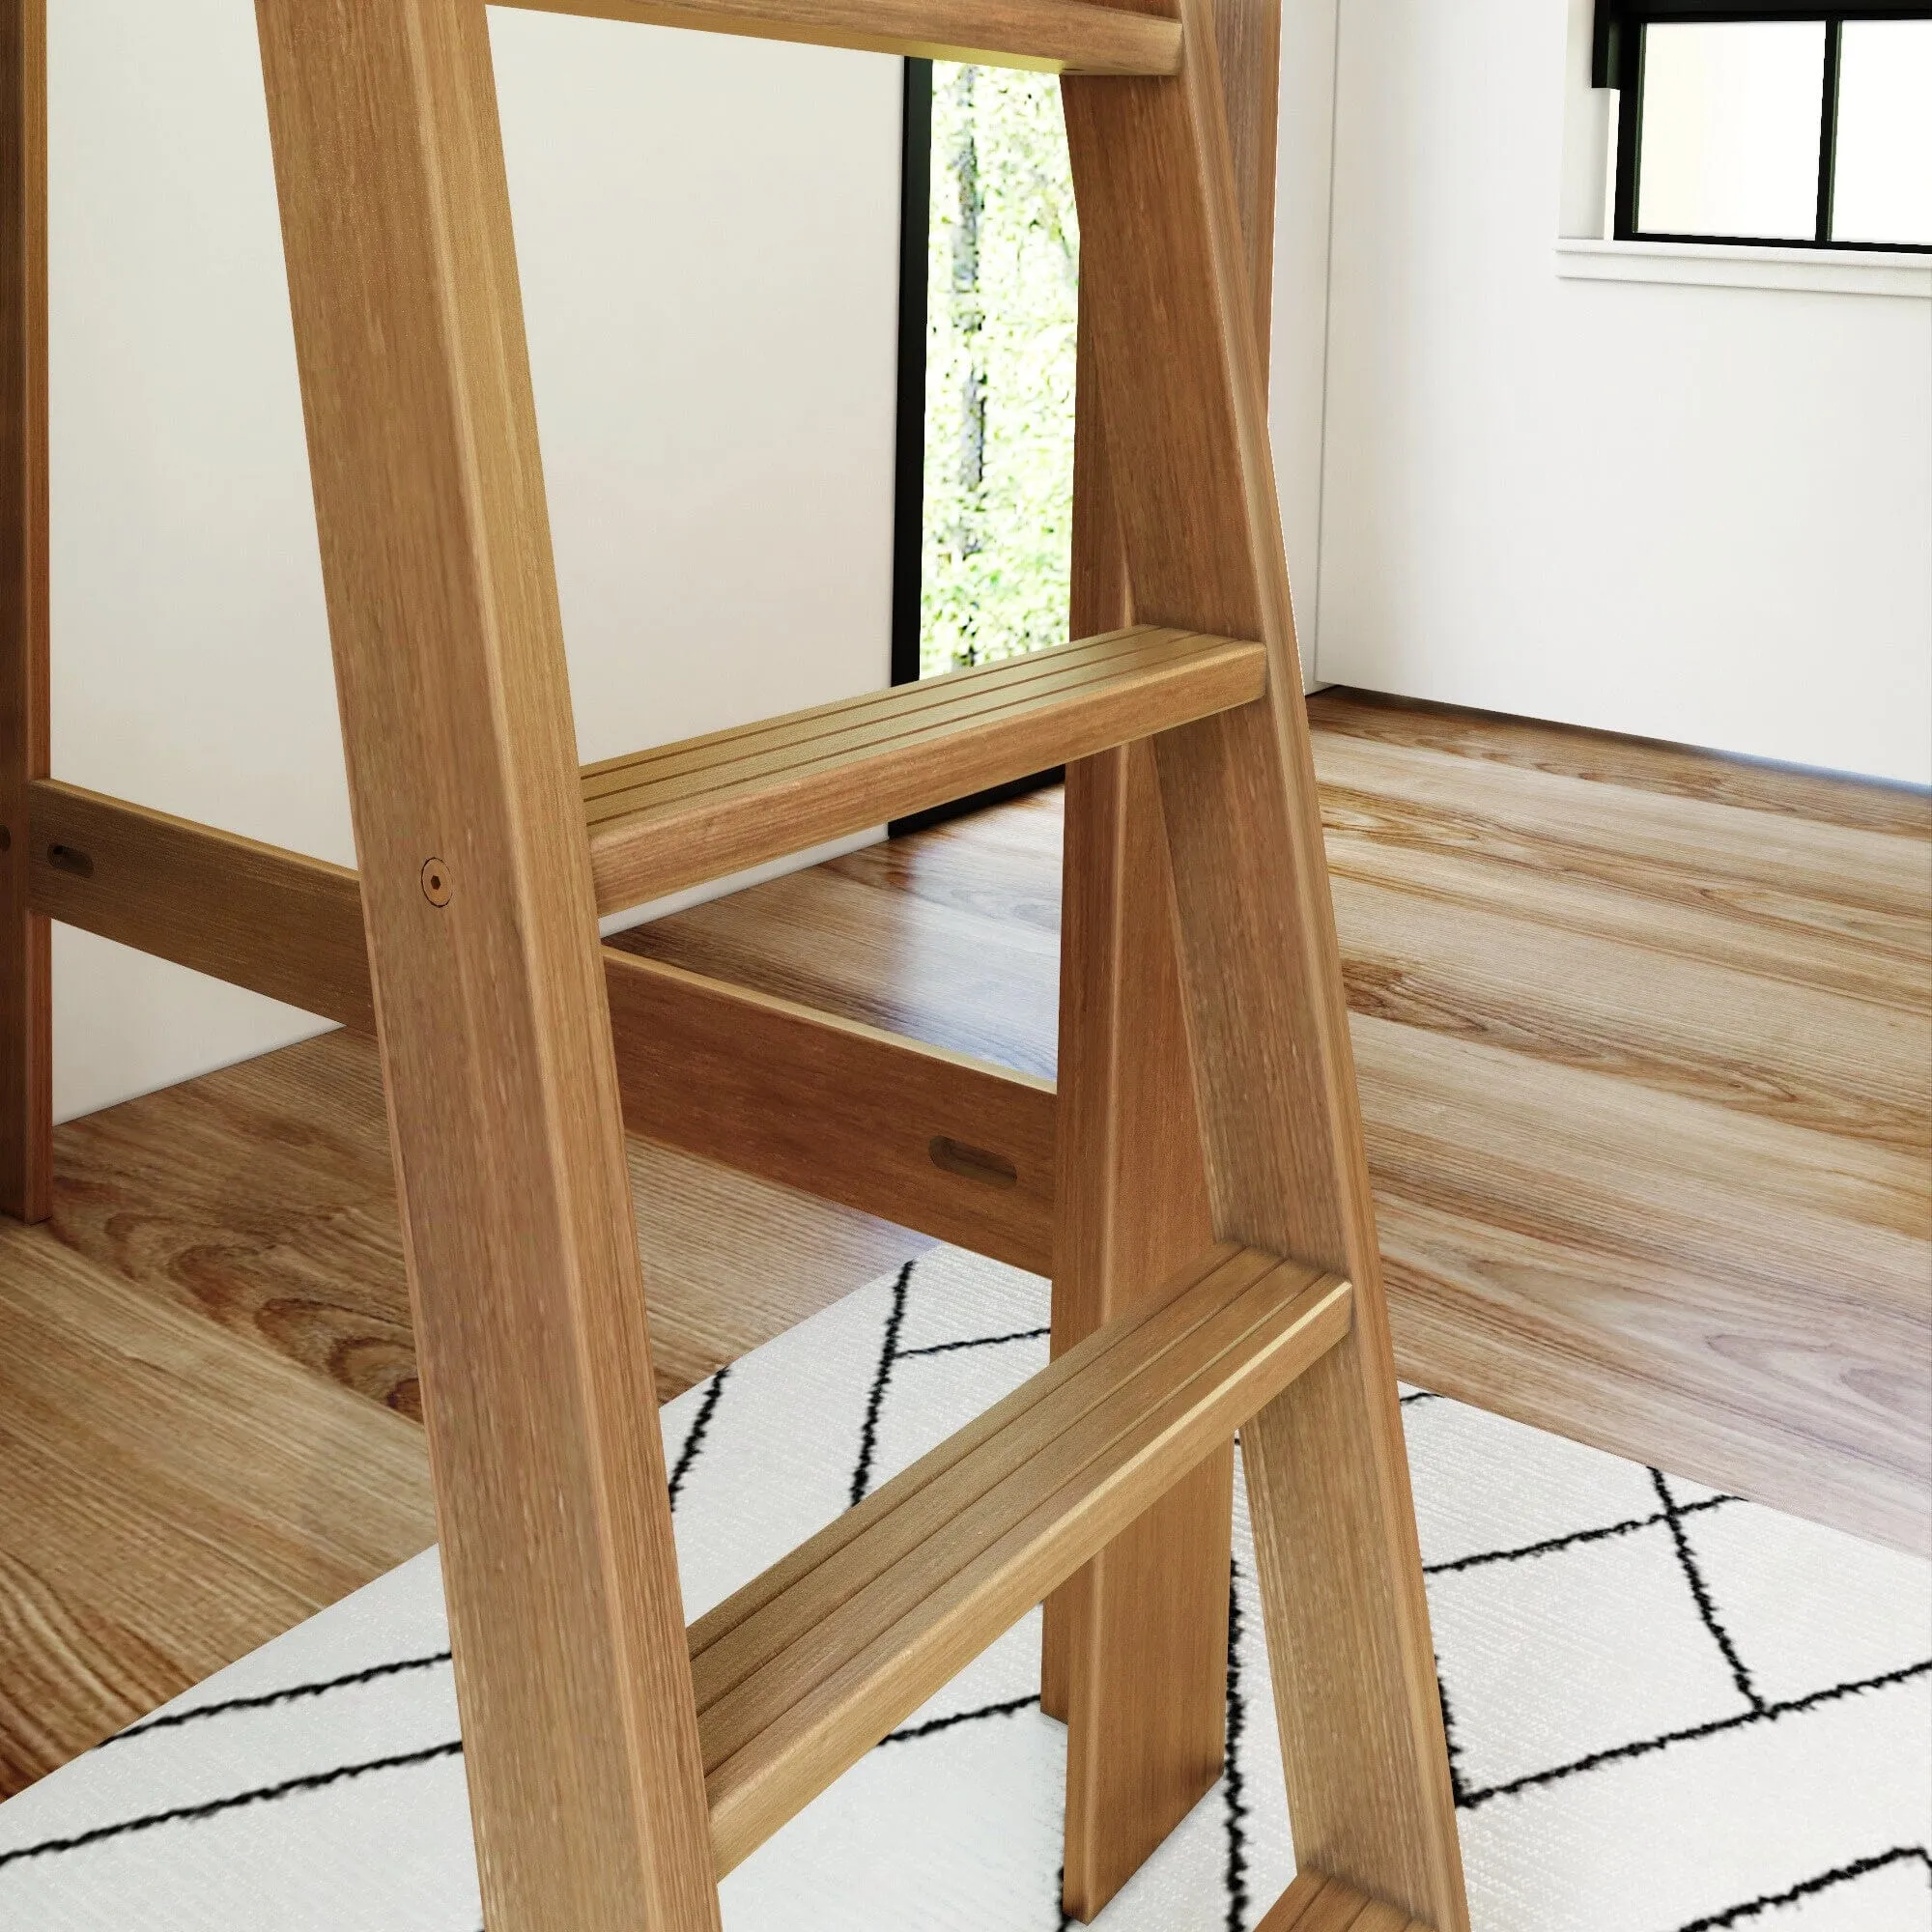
(1299, 352)
(707, 230)
(1692, 513)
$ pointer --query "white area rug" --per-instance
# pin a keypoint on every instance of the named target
(1671, 1711)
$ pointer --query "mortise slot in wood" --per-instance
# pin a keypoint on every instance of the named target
(71, 859)
(972, 1163)
(808, 1666)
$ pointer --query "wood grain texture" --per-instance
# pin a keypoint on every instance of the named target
(174, 1495)
(949, 936)
(1737, 1298)
(278, 922)
(930, 1139)
(1133, 1196)
(1707, 1252)
(1347, 1624)
(26, 1041)
(955, 1148)
(931, 935)
(262, 1198)
(1665, 1222)
(1317, 1903)
(1626, 764)
(801, 1674)
(678, 815)
(1051, 36)
(1144, 1695)
(560, 1574)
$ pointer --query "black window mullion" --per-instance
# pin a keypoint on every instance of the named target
(1630, 130)
(909, 443)
(1827, 129)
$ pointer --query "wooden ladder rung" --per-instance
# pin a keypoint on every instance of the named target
(1057, 36)
(677, 815)
(812, 1664)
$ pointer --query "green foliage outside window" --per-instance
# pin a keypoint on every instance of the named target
(1003, 275)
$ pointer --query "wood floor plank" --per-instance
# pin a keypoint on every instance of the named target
(1607, 1206)
(1751, 1042)
(1873, 884)
(1643, 1044)
(262, 1196)
(954, 975)
(174, 1494)
(1382, 843)
(1741, 1301)
(1635, 764)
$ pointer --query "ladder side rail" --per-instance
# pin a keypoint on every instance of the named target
(26, 971)
(566, 1619)
(1347, 1620)
(1133, 1189)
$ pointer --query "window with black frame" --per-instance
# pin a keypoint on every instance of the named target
(1770, 122)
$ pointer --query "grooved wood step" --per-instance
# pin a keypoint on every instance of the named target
(810, 1664)
(680, 814)
(1054, 36)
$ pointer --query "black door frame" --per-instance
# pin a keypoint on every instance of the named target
(909, 433)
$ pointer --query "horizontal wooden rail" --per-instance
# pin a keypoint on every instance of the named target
(276, 922)
(930, 1139)
(933, 1140)
(663, 820)
(1056, 36)
(812, 1664)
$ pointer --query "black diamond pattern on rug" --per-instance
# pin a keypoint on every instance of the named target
(1670, 1710)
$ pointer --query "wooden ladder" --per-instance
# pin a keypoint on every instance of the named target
(620, 1764)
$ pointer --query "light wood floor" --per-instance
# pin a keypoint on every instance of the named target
(1645, 1043)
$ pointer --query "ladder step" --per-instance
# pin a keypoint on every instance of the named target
(683, 814)
(1056, 36)
(812, 1664)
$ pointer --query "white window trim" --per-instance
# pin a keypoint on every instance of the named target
(1722, 266)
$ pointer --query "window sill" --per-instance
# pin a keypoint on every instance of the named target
(1845, 272)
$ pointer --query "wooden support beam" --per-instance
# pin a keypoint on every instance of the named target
(1054, 36)
(26, 1028)
(278, 922)
(581, 1750)
(1166, 284)
(805, 1669)
(914, 1133)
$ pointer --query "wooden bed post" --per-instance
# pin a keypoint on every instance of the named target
(26, 1045)
(565, 1615)
(1132, 1192)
